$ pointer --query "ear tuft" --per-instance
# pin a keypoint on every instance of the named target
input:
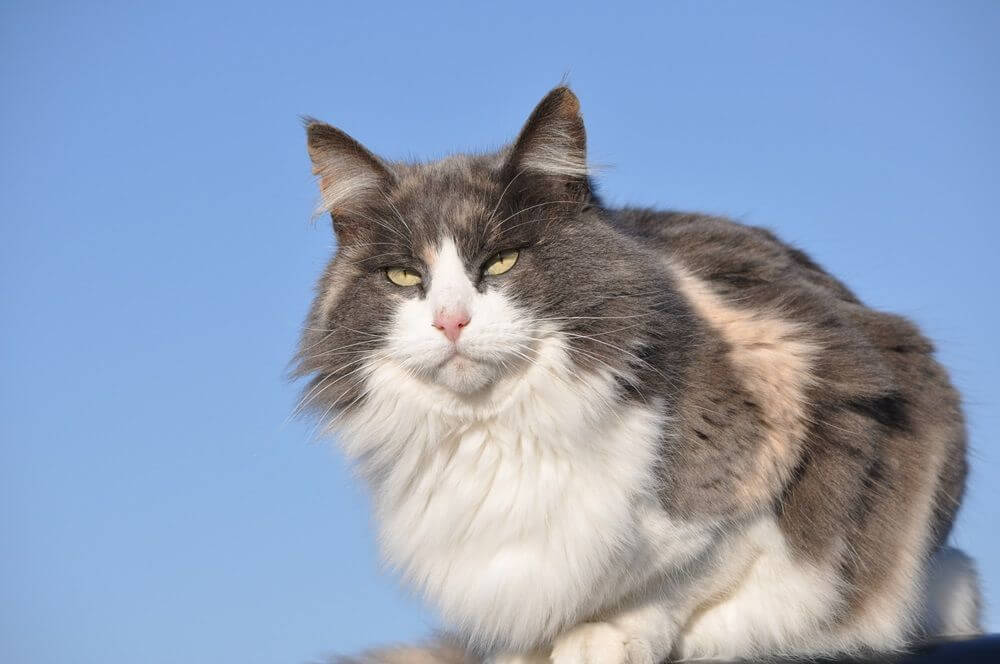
(350, 177)
(553, 141)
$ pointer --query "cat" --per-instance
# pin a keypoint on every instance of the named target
(609, 436)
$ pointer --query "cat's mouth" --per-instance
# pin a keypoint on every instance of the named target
(475, 365)
(459, 359)
(464, 373)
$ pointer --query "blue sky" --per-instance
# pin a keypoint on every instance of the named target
(158, 257)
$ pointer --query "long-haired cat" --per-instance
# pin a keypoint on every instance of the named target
(598, 436)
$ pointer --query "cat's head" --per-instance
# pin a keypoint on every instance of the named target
(458, 275)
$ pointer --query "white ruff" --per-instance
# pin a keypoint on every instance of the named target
(516, 516)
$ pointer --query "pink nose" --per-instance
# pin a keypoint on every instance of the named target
(451, 323)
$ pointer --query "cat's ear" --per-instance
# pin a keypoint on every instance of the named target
(351, 179)
(552, 146)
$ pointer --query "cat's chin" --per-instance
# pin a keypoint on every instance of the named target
(466, 376)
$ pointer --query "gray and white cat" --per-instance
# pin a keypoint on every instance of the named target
(597, 436)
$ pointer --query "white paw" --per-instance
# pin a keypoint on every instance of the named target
(509, 658)
(600, 643)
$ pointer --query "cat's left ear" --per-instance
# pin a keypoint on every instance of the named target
(351, 179)
(552, 147)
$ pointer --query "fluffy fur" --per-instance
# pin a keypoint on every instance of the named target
(659, 435)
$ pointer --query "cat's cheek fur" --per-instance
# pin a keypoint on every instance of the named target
(412, 341)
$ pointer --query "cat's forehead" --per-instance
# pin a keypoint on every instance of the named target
(455, 191)
(431, 201)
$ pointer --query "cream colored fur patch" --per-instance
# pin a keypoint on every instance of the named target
(773, 360)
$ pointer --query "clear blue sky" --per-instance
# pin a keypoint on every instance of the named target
(157, 259)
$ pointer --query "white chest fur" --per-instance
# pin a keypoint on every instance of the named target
(517, 520)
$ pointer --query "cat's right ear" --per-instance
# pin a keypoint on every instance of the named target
(552, 146)
(352, 180)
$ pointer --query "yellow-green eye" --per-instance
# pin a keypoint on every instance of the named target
(401, 276)
(500, 263)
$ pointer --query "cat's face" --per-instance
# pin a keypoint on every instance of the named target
(459, 274)
(460, 327)
(447, 280)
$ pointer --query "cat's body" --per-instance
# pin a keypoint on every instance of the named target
(650, 435)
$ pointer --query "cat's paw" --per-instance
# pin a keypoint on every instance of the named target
(600, 643)
(511, 658)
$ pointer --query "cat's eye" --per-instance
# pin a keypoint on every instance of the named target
(500, 263)
(402, 276)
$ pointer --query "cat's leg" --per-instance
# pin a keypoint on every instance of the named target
(648, 629)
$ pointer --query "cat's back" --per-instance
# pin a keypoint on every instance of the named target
(872, 363)
(732, 256)
(867, 438)
(751, 269)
